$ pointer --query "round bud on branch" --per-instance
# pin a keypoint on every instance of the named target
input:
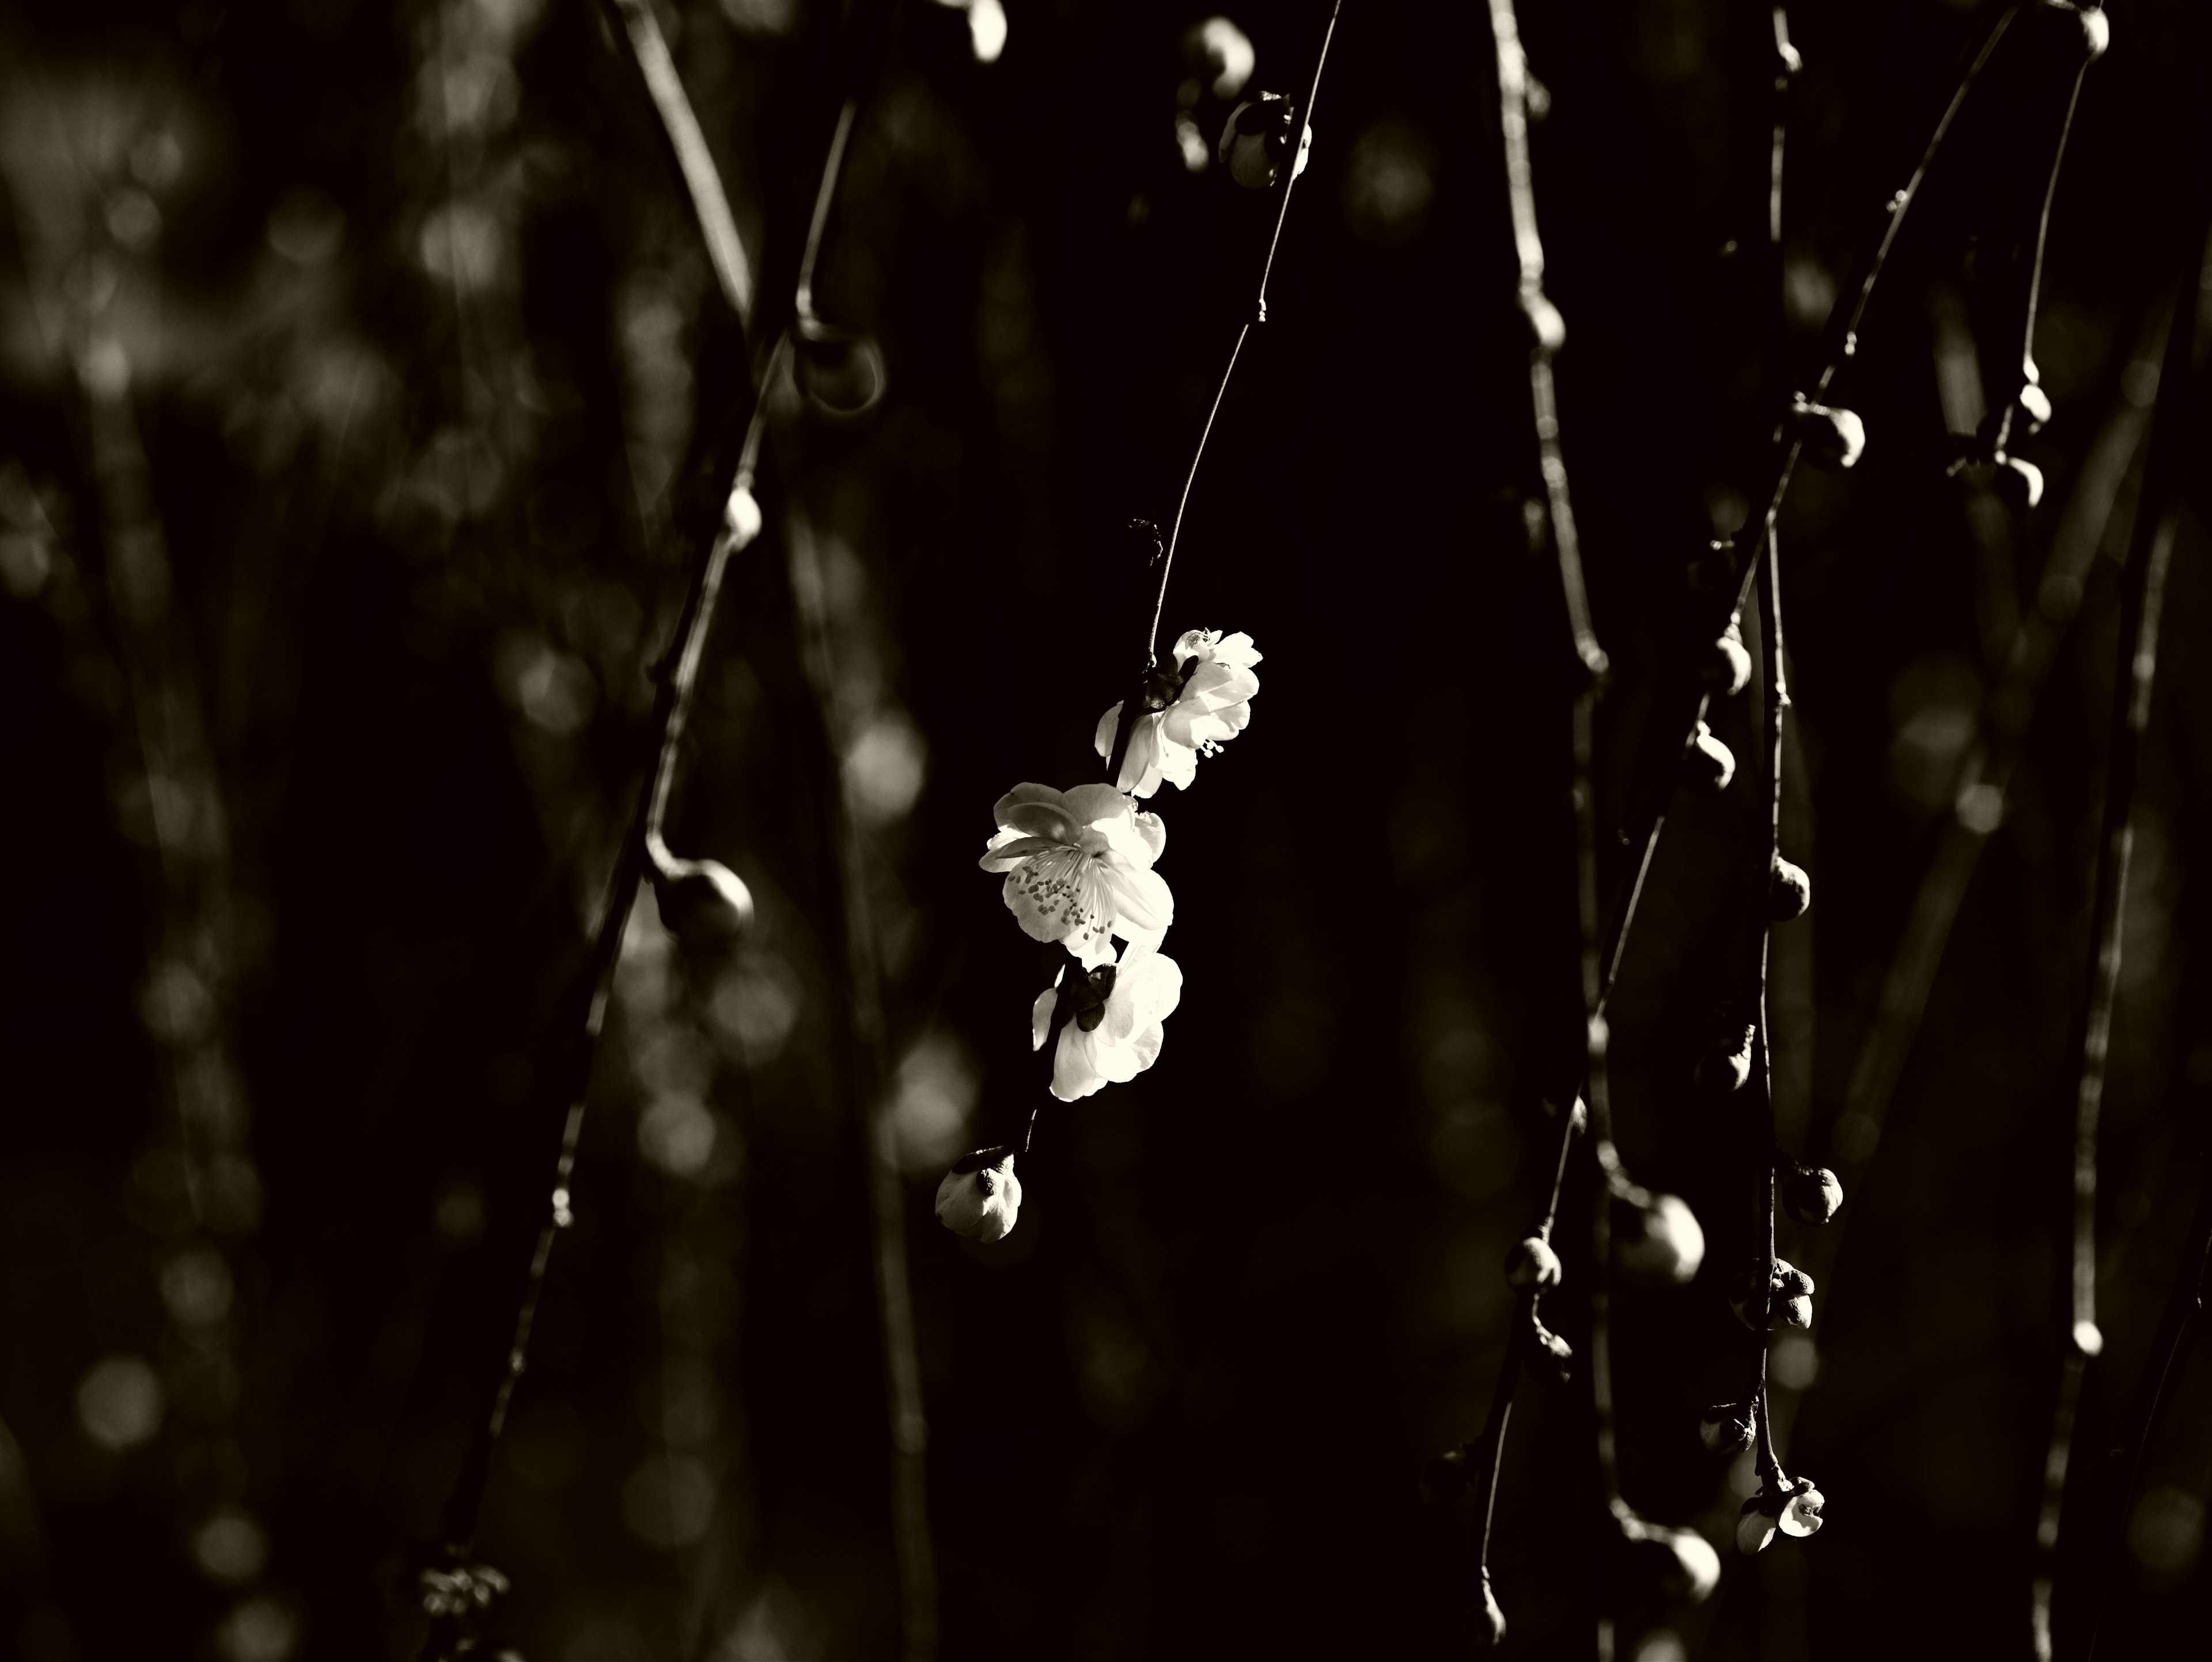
(1256, 137)
(980, 1198)
(1813, 1196)
(1726, 1066)
(1532, 1263)
(1661, 1242)
(1837, 434)
(1707, 764)
(1486, 1622)
(1725, 666)
(1787, 1296)
(1791, 894)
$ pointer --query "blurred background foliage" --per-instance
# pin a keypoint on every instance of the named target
(361, 359)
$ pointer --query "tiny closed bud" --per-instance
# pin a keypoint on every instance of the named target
(741, 517)
(1662, 1242)
(1788, 1297)
(1791, 1281)
(2088, 1339)
(1726, 1066)
(1544, 321)
(1813, 1196)
(1838, 435)
(839, 372)
(1792, 894)
(2034, 403)
(2020, 483)
(1797, 1313)
(1550, 1357)
(1532, 1263)
(981, 1198)
(1725, 666)
(1486, 1621)
(1707, 765)
(1443, 1480)
(1255, 137)
(702, 902)
(1727, 1427)
(2096, 32)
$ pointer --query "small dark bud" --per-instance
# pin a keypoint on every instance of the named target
(839, 372)
(1791, 1281)
(702, 902)
(1813, 1196)
(2018, 483)
(1797, 1312)
(1792, 893)
(1550, 1357)
(1727, 1427)
(1837, 434)
(2096, 31)
(1788, 1296)
(1547, 328)
(1707, 764)
(1726, 1067)
(1725, 666)
(1486, 1623)
(1532, 1263)
(1256, 137)
(1443, 1480)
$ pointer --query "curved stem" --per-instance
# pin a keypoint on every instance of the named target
(1291, 160)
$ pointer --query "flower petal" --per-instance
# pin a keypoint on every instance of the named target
(1074, 1069)
(1108, 724)
(1097, 805)
(1048, 820)
(1009, 848)
(1040, 1013)
(1143, 904)
(1154, 831)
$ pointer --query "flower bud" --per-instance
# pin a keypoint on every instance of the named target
(1726, 1066)
(1813, 1196)
(741, 517)
(2096, 32)
(1788, 1297)
(1443, 1480)
(1838, 435)
(1661, 1243)
(2035, 404)
(1532, 1263)
(1707, 765)
(1486, 1620)
(1755, 1528)
(1725, 666)
(1550, 1357)
(1791, 894)
(1255, 137)
(2020, 483)
(1545, 321)
(702, 902)
(1727, 1427)
(980, 1197)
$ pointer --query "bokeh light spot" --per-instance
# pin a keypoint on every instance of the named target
(119, 1403)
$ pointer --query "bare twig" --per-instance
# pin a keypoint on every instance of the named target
(1133, 706)
(2135, 669)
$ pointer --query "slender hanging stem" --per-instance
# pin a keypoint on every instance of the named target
(2135, 670)
(1776, 701)
(1133, 706)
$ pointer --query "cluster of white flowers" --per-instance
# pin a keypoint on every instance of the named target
(1078, 865)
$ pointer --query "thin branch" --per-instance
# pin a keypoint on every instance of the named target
(710, 206)
(1776, 701)
(1133, 706)
(2135, 670)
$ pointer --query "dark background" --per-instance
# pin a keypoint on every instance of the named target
(418, 338)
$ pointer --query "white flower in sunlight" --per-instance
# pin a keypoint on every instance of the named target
(981, 1198)
(1115, 1027)
(1212, 706)
(1801, 1515)
(1079, 867)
